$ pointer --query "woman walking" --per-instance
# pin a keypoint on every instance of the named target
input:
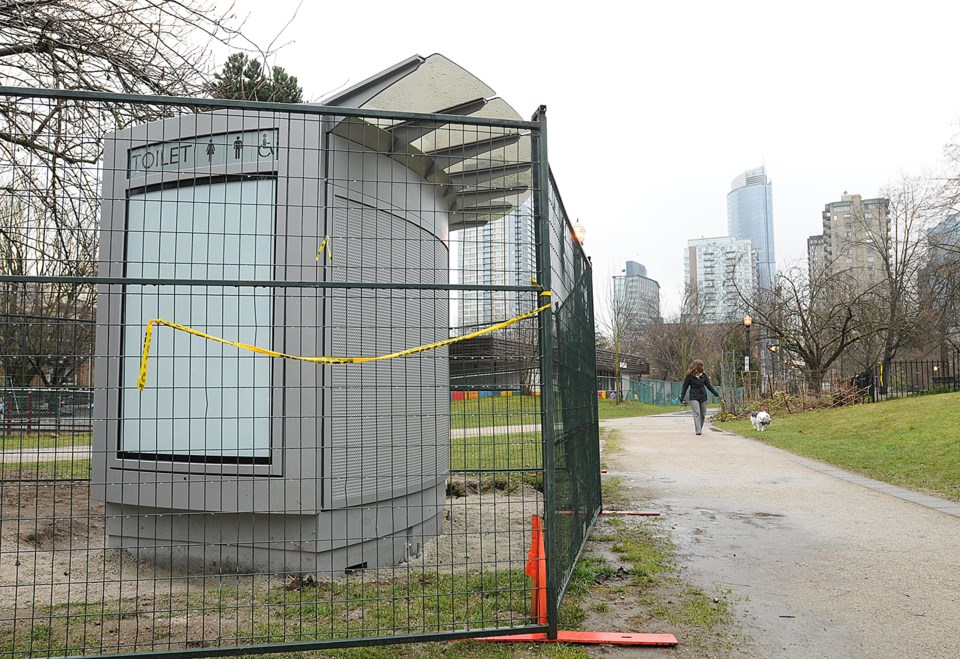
(698, 383)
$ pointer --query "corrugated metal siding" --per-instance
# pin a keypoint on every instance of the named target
(390, 428)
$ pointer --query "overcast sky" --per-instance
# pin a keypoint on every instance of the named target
(654, 108)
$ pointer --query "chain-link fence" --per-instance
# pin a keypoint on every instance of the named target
(321, 344)
(654, 392)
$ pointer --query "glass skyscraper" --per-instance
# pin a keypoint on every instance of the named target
(498, 253)
(750, 216)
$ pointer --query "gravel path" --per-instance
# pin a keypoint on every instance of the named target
(818, 562)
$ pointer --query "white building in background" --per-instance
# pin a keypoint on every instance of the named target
(640, 294)
(499, 253)
(718, 273)
(750, 216)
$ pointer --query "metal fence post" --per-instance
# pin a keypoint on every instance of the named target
(541, 183)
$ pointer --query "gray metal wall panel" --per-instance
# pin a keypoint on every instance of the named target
(386, 438)
(392, 437)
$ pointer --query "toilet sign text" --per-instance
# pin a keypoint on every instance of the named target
(204, 152)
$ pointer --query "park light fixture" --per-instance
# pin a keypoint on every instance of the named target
(747, 322)
(579, 232)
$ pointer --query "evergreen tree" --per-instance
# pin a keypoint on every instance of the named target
(244, 78)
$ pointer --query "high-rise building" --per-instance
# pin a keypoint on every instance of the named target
(943, 260)
(854, 229)
(816, 256)
(719, 273)
(639, 293)
(750, 216)
(499, 253)
(944, 241)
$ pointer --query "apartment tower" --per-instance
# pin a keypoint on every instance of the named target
(855, 233)
(750, 217)
(640, 294)
(719, 273)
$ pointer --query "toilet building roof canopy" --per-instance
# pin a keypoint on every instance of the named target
(485, 170)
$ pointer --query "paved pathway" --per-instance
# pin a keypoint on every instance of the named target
(818, 562)
(46, 454)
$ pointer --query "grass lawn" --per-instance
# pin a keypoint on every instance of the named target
(69, 470)
(911, 442)
(609, 409)
(495, 411)
(18, 441)
(496, 452)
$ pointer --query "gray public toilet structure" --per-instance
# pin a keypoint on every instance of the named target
(230, 460)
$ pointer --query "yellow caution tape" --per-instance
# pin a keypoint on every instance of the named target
(148, 335)
(325, 245)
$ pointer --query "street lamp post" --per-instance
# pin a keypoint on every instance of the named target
(774, 358)
(747, 322)
(579, 232)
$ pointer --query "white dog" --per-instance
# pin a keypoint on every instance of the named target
(760, 420)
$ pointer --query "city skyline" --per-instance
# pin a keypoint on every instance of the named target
(694, 127)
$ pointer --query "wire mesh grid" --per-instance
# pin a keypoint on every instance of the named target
(218, 481)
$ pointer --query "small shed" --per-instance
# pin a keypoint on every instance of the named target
(632, 367)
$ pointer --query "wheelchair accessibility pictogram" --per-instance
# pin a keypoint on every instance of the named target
(265, 149)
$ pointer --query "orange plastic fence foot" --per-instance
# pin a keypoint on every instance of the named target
(536, 569)
(589, 638)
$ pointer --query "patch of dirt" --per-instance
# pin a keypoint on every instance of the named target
(56, 534)
(55, 559)
(53, 546)
(629, 603)
(466, 542)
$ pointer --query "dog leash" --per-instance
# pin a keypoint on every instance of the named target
(735, 406)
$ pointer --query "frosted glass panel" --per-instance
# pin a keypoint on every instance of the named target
(203, 399)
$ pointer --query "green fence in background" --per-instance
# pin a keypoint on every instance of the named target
(659, 392)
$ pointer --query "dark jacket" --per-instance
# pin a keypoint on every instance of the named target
(698, 386)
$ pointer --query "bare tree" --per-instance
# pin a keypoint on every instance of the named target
(939, 286)
(951, 179)
(46, 329)
(898, 253)
(620, 325)
(135, 46)
(673, 343)
(51, 150)
(940, 278)
(813, 319)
